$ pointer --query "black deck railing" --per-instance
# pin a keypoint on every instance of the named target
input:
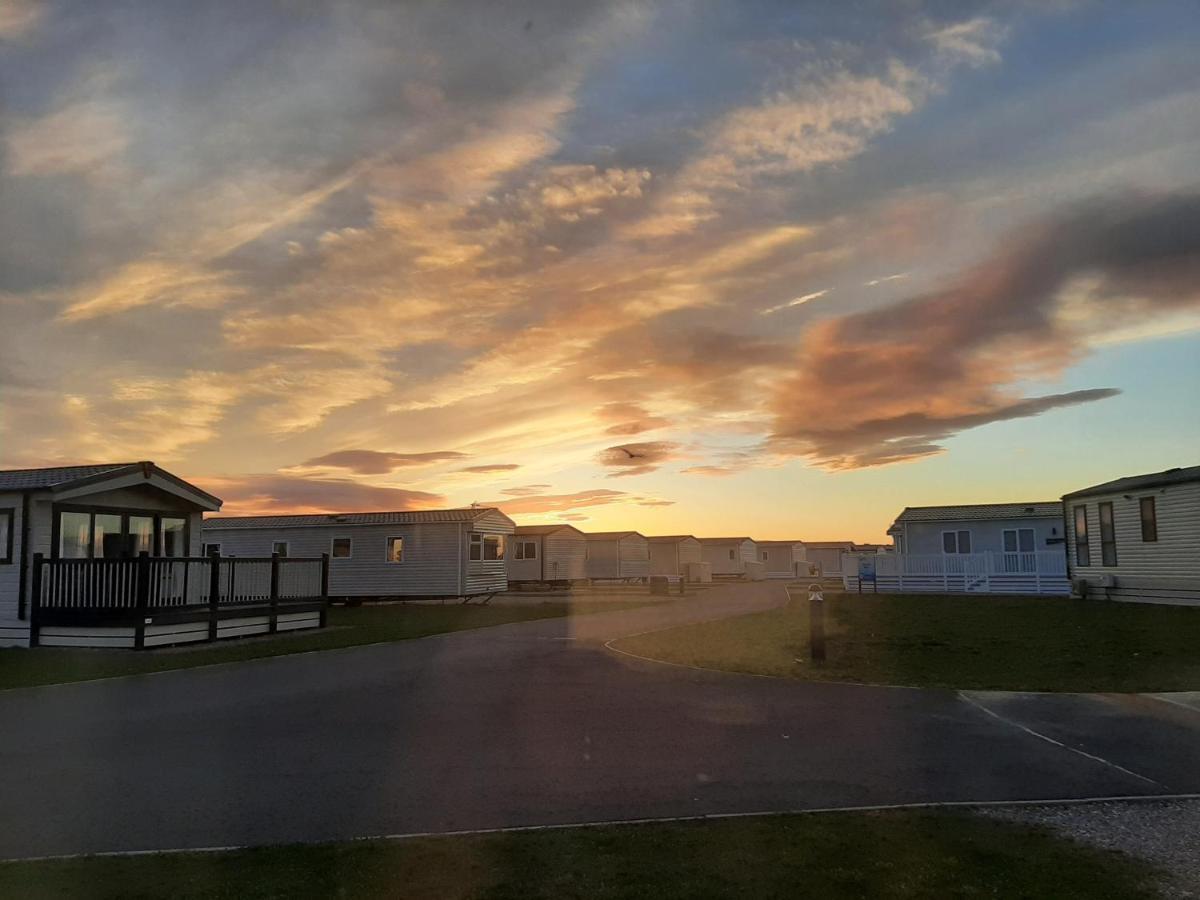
(146, 590)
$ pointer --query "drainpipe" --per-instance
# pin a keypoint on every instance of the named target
(458, 531)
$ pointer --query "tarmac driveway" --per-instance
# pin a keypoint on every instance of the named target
(529, 724)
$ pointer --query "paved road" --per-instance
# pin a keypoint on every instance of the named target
(532, 724)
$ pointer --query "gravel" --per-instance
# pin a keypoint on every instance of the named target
(1163, 832)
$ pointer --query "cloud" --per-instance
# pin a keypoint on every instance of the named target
(377, 462)
(492, 467)
(714, 471)
(19, 17)
(630, 418)
(653, 501)
(247, 495)
(892, 384)
(799, 301)
(638, 458)
(544, 503)
(526, 490)
(875, 282)
(974, 42)
(84, 138)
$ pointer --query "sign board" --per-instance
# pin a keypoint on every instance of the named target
(866, 568)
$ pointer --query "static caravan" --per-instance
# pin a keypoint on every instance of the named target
(673, 554)
(617, 555)
(551, 554)
(827, 555)
(783, 559)
(427, 553)
(109, 556)
(736, 556)
(1137, 538)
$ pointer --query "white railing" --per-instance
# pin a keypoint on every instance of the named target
(1034, 572)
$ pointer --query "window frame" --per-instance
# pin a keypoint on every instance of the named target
(1083, 546)
(333, 545)
(958, 550)
(9, 514)
(206, 548)
(474, 546)
(286, 548)
(499, 542)
(126, 513)
(1108, 544)
(519, 552)
(1016, 533)
(1152, 531)
(766, 556)
(388, 542)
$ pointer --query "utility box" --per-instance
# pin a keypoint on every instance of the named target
(699, 572)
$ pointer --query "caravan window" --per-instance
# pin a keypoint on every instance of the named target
(279, 548)
(493, 546)
(476, 547)
(395, 549)
(1149, 520)
(1108, 536)
(956, 542)
(341, 548)
(1083, 553)
(6, 536)
(526, 550)
(1018, 540)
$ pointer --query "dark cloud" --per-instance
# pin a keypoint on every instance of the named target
(892, 384)
(378, 462)
(494, 467)
(629, 418)
(637, 459)
(259, 494)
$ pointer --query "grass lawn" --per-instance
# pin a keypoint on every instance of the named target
(841, 855)
(1003, 643)
(348, 627)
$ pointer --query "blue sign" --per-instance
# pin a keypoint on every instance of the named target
(866, 568)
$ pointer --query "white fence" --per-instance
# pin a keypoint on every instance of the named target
(1038, 572)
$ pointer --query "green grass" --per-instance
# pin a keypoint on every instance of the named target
(1002, 643)
(349, 627)
(841, 855)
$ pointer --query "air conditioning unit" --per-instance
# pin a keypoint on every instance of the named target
(1107, 581)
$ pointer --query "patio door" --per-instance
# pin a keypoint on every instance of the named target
(1019, 550)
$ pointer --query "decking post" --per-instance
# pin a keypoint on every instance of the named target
(142, 604)
(214, 592)
(35, 600)
(274, 620)
(324, 588)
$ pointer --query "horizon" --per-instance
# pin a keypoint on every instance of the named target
(672, 268)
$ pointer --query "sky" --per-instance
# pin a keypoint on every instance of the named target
(766, 268)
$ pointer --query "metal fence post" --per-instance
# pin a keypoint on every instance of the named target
(214, 592)
(142, 602)
(35, 601)
(324, 588)
(816, 623)
(273, 625)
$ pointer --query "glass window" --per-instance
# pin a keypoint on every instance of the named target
(1083, 553)
(731, 554)
(210, 549)
(493, 546)
(108, 537)
(74, 535)
(1108, 535)
(526, 550)
(765, 555)
(1010, 540)
(395, 549)
(341, 548)
(964, 542)
(949, 542)
(1025, 536)
(174, 536)
(1149, 520)
(279, 548)
(1018, 540)
(141, 534)
(476, 551)
(6, 536)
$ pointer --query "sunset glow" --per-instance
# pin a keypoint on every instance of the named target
(675, 267)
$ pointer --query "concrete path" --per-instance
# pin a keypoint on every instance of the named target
(530, 724)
